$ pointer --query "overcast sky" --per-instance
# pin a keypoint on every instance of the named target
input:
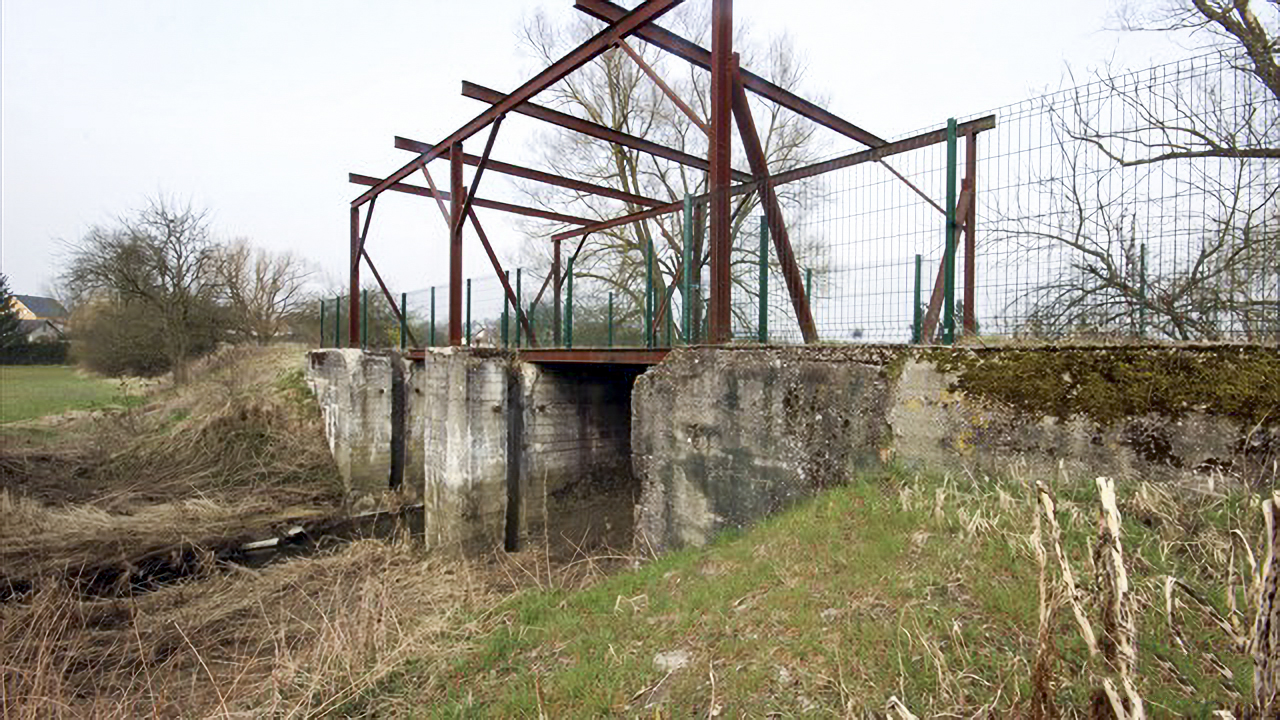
(258, 110)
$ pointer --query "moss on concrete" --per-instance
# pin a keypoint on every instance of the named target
(1108, 384)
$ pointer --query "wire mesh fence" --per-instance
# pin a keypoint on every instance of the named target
(1134, 206)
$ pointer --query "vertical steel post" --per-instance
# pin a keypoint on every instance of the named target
(648, 295)
(610, 319)
(404, 320)
(949, 256)
(337, 321)
(1142, 293)
(762, 324)
(519, 308)
(506, 314)
(456, 221)
(916, 310)
(669, 323)
(808, 286)
(686, 289)
(353, 298)
(970, 239)
(468, 312)
(322, 323)
(364, 319)
(568, 306)
(555, 294)
(433, 317)
(720, 143)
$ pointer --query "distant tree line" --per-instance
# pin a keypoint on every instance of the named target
(156, 288)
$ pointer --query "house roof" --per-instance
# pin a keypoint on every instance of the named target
(26, 327)
(42, 307)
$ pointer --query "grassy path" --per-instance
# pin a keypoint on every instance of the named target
(32, 391)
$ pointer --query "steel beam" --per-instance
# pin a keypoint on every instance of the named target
(647, 12)
(387, 293)
(595, 130)
(353, 302)
(484, 162)
(555, 293)
(690, 51)
(719, 151)
(773, 211)
(502, 277)
(478, 202)
(537, 175)
(664, 87)
(617, 356)
(456, 203)
(863, 156)
(963, 205)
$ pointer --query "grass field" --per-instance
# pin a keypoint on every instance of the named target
(32, 391)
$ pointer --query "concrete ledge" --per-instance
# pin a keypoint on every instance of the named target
(354, 391)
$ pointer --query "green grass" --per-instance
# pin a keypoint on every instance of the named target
(32, 391)
(828, 610)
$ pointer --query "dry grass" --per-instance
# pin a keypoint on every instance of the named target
(302, 638)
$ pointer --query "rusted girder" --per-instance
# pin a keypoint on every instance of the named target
(680, 47)
(484, 162)
(914, 142)
(488, 248)
(647, 12)
(456, 202)
(353, 300)
(395, 309)
(530, 174)
(595, 130)
(719, 152)
(772, 211)
(478, 202)
(930, 322)
(664, 87)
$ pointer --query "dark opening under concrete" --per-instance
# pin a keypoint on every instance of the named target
(577, 489)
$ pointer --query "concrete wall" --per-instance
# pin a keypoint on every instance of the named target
(354, 391)
(722, 438)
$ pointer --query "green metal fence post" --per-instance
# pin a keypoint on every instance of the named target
(433, 317)
(337, 320)
(762, 324)
(686, 291)
(364, 319)
(506, 313)
(568, 306)
(519, 306)
(404, 320)
(669, 322)
(1142, 293)
(648, 295)
(915, 306)
(808, 287)
(468, 312)
(322, 323)
(611, 319)
(949, 258)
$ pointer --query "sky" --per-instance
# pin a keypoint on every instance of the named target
(256, 111)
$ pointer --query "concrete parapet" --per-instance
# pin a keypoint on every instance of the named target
(354, 391)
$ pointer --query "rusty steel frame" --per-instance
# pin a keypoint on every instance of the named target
(693, 53)
(478, 202)
(596, 356)
(772, 209)
(729, 102)
(720, 152)
(648, 70)
(595, 130)
(915, 142)
(498, 166)
(964, 204)
(647, 12)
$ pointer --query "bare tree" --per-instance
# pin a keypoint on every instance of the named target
(163, 258)
(262, 290)
(1234, 118)
(615, 92)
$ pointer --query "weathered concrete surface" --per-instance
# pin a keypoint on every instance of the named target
(938, 425)
(575, 432)
(353, 389)
(722, 438)
(461, 416)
